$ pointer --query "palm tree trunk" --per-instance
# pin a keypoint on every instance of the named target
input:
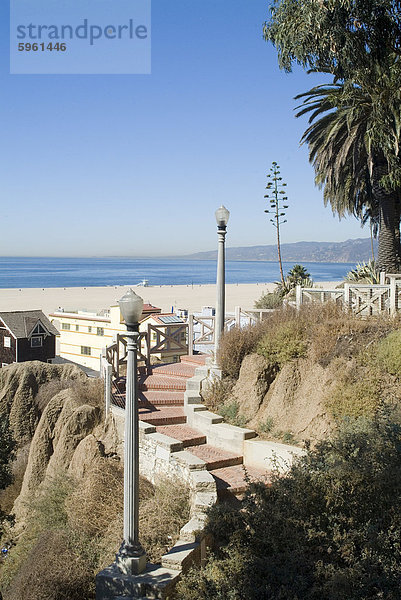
(388, 254)
(372, 248)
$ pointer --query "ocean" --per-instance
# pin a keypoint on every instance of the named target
(80, 272)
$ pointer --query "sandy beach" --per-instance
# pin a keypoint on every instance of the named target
(188, 297)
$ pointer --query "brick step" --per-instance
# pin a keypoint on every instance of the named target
(197, 359)
(163, 415)
(185, 434)
(152, 398)
(234, 479)
(215, 458)
(161, 397)
(162, 382)
(175, 369)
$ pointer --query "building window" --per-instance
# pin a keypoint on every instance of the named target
(76, 327)
(36, 342)
(38, 330)
(89, 329)
(66, 326)
(7, 342)
(85, 350)
(100, 331)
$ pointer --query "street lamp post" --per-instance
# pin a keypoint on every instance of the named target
(131, 558)
(222, 216)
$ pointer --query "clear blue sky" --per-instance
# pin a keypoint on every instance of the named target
(137, 164)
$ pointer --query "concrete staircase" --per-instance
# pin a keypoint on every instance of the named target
(161, 404)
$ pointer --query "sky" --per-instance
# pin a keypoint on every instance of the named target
(136, 165)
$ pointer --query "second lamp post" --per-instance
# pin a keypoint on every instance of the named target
(222, 216)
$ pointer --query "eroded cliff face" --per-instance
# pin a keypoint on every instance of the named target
(19, 386)
(67, 437)
(291, 400)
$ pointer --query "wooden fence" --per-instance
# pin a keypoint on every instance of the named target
(361, 299)
(180, 338)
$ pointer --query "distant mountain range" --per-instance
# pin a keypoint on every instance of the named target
(350, 251)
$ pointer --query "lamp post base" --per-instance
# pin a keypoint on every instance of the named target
(155, 582)
(131, 560)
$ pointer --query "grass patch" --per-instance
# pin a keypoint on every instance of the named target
(269, 300)
(217, 398)
(267, 426)
(358, 392)
(283, 343)
(229, 412)
(388, 353)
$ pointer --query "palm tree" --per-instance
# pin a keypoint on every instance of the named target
(353, 146)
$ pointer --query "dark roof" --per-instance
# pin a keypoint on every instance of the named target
(21, 322)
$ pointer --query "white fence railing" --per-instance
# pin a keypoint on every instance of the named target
(201, 327)
(362, 299)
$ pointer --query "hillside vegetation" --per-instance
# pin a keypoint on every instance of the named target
(328, 530)
(296, 375)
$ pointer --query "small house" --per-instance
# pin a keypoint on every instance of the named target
(26, 335)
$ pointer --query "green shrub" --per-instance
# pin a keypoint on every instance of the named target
(269, 300)
(357, 393)
(388, 353)
(329, 530)
(267, 426)
(288, 437)
(283, 344)
(230, 413)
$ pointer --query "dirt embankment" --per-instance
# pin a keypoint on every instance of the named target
(58, 430)
(291, 401)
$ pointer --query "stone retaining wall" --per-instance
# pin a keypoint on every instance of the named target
(162, 455)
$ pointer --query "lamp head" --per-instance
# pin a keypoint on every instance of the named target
(222, 216)
(131, 306)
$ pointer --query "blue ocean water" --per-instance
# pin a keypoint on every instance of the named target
(80, 272)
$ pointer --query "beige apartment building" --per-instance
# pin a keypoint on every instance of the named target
(84, 334)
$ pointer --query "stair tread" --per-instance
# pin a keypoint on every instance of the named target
(196, 359)
(162, 397)
(233, 479)
(181, 432)
(162, 382)
(215, 457)
(161, 410)
(175, 369)
(162, 415)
